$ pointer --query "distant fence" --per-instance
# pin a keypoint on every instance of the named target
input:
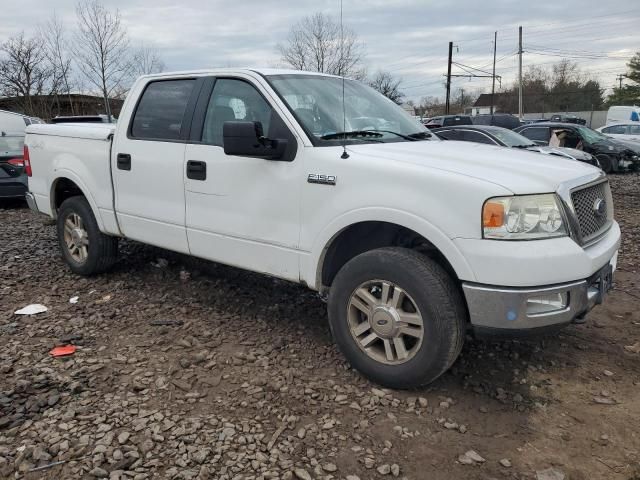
(594, 118)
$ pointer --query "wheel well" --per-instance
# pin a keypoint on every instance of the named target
(64, 188)
(364, 236)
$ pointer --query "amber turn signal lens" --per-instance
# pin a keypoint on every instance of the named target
(493, 215)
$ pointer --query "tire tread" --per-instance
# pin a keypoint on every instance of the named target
(103, 249)
(445, 299)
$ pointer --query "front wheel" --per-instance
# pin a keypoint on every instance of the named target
(397, 316)
(84, 247)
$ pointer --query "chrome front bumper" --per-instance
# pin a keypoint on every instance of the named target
(31, 201)
(500, 310)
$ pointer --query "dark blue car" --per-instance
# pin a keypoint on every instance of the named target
(13, 179)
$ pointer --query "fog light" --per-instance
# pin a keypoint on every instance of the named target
(547, 303)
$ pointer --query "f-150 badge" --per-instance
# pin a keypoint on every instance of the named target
(322, 179)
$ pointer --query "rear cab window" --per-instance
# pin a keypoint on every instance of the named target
(160, 112)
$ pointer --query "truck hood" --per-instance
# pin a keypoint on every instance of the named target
(519, 171)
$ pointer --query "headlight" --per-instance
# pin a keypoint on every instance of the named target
(523, 217)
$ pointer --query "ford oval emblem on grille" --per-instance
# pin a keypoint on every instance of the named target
(599, 207)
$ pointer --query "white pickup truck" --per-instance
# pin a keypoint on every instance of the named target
(414, 240)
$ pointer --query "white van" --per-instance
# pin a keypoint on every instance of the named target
(623, 114)
(11, 122)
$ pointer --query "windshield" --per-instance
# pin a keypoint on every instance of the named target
(591, 136)
(11, 145)
(316, 101)
(511, 139)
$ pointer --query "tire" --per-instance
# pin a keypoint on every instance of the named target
(606, 162)
(427, 287)
(101, 250)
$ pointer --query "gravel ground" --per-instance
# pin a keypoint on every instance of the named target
(240, 379)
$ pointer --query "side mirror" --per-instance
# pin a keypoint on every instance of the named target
(246, 139)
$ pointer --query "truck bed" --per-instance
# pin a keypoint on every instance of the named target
(84, 150)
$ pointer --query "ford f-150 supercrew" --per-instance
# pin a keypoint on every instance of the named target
(322, 181)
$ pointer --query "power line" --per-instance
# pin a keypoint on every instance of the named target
(550, 54)
(535, 29)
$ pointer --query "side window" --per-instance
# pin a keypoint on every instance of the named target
(477, 137)
(634, 129)
(161, 109)
(449, 134)
(234, 100)
(616, 129)
(536, 133)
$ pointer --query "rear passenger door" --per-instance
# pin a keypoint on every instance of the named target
(147, 161)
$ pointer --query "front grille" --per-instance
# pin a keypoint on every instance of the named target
(585, 203)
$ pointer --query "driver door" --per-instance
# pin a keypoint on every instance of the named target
(241, 211)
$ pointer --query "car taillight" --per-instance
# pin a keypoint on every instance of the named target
(27, 161)
(16, 162)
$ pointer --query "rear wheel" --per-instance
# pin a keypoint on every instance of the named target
(84, 247)
(397, 316)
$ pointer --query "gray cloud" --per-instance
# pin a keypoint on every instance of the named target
(407, 37)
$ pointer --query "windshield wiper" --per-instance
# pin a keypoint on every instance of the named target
(353, 134)
(406, 137)
(372, 133)
(525, 146)
(419, 135)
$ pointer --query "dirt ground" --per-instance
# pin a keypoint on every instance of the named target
(245, 383)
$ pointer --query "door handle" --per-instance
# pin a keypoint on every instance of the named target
(123, 161)
(196, 170)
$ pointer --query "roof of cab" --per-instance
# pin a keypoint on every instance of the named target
(216, 71)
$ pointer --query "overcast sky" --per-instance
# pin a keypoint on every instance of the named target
(408, 37)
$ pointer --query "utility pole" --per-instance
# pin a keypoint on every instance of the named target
(493, 84)
(520, 72)
(446, 105)
(619, 78)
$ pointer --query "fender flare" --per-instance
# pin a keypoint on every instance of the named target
(312, 271)
(65, 174)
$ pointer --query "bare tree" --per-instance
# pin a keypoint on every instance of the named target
(58, 55)
(387, 85)
(146, 60)
(25, 73)
(102, 48)
(314, 44)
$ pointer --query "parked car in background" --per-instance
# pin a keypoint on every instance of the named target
(632, 145)
(13, 177)
(83, 119)
(568, 119)
(527, 121)
(504, 120)
(612, 155)
(623, 114)
(448, 120)
(622, 131)
(15, 122)
(507, 138)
